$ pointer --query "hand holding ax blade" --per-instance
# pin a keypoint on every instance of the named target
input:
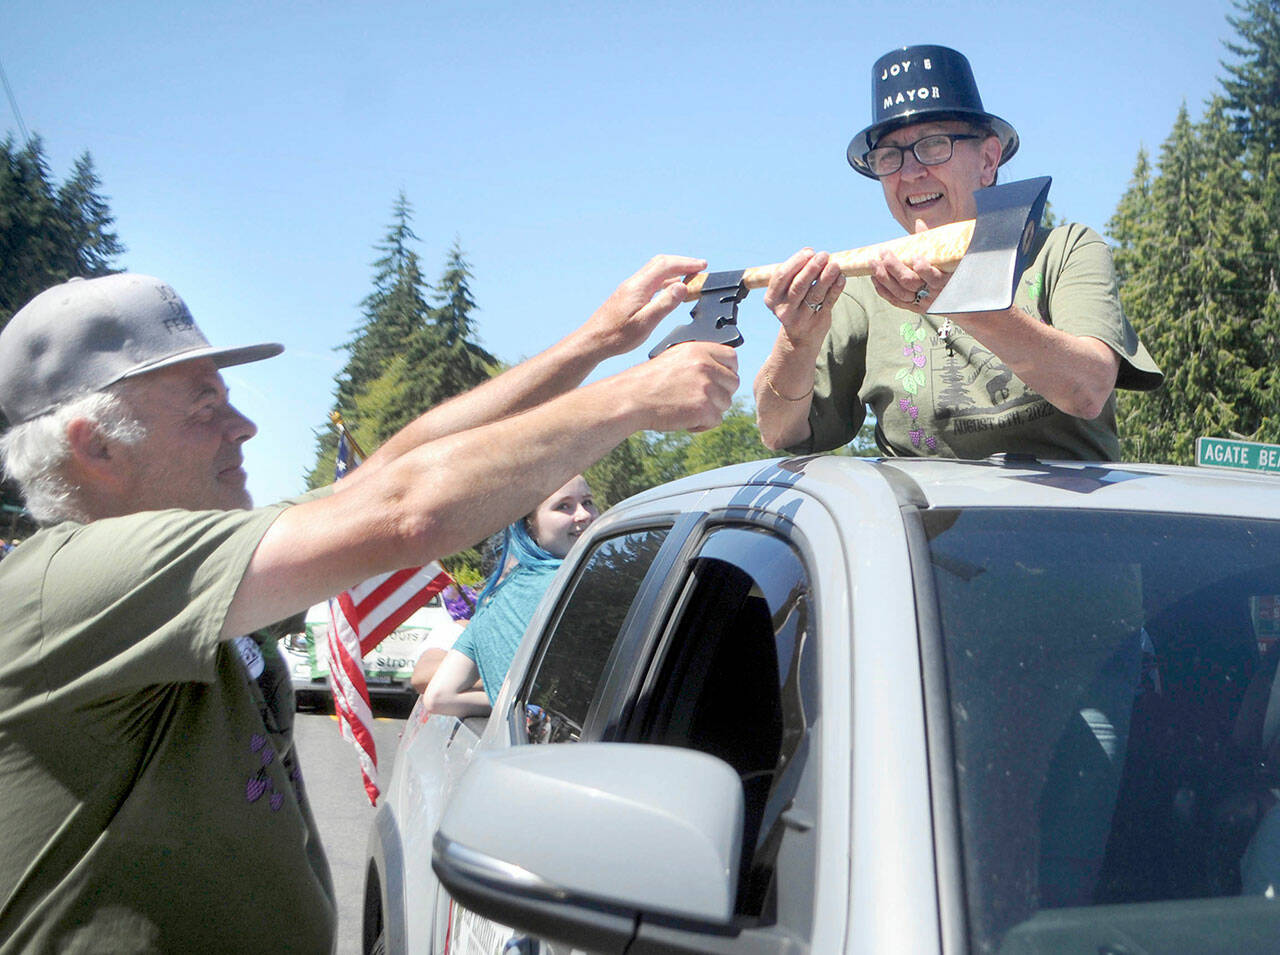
(985, 254)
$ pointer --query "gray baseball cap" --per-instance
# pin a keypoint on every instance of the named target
(81, 336)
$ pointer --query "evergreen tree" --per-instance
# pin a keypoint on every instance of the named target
(1189, 289)
(620, 473)
(1197, 259)
(1142, 270)
(1252, 84)
(454, 304)
(1129, 225)
(643, 461)
(31, 233)
(734, 440)
(648, 459)
(664, 456)
(442, 360)
(407, 355)
(49, 233)
(93, 245)
(1252, 93)
(394, 311)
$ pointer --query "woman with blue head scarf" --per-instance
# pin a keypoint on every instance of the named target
(532, 550)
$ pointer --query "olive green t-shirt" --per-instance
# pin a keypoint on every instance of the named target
(962, 401)
(150, 795)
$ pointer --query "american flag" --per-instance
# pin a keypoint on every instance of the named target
(359, 619)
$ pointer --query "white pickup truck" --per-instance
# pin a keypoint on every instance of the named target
(895, 706)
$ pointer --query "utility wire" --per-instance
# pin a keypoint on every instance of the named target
(13, 104)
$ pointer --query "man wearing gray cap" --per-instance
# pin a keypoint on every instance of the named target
(152, 799)
(1038, 378)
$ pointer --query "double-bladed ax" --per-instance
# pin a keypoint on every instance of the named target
(985, 254)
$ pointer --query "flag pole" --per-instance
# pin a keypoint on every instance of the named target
(359, 619)
(341, 427)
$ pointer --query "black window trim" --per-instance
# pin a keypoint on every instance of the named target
(678, 526)
(764, 936)
(641, 685)
(637, 628)
(944, 802)
(629, 665)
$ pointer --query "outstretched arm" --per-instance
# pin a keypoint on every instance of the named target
(441, 495)
(622, 323)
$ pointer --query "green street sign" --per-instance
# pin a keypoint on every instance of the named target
(1239, 455)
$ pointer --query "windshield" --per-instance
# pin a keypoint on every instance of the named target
(1110, 684)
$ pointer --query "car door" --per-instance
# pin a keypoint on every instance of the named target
(717, 649)
(562, 678)
(733, 671)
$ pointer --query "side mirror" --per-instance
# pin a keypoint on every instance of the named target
(573, 842)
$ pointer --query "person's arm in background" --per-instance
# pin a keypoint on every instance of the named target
(453, 691)
(426, 667)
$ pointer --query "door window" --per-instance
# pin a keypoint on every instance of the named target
(576, 650)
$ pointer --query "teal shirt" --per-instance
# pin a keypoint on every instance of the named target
(495, 632)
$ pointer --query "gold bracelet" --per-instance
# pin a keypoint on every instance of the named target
(768, 380)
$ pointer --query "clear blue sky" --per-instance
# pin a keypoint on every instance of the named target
(251, 152)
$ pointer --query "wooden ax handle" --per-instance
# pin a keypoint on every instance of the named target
(943, 247)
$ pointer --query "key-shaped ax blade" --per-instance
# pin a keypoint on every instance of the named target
(986, 256)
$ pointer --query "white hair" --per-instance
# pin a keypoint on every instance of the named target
(33, 453)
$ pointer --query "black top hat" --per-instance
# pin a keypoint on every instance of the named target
(918, 84)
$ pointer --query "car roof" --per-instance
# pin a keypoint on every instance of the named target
(1005, 481)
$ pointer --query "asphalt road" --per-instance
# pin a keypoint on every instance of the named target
(342, 809)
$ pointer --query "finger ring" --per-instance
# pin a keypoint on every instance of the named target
(922, 293)
(814, 306)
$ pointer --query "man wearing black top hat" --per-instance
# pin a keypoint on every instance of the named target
(1038, 378)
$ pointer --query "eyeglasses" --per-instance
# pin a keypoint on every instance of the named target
(930, 151)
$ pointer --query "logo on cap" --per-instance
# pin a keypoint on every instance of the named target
(179, 319)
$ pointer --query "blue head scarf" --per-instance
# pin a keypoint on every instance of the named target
(506, 604)
(518, 543)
